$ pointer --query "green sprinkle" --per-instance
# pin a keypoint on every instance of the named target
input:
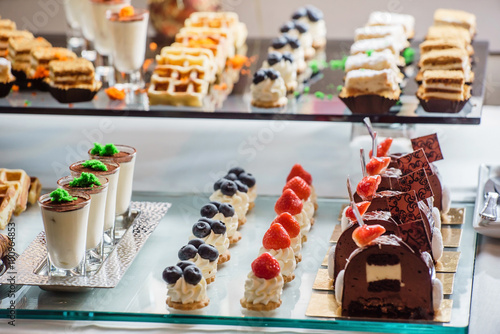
(106, 150)
(95, 165)
(325, 63)
(307, 89)
(86, 180)
(320, 95)
(338, 64)
(339, 88)
(60, 195)
(399, 103)
(409, 55)
(329, 96)
(27, 103)
(314, 65)
(296, 93)
(369, 53)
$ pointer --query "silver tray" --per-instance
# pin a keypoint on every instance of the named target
(31, 266)
(491, 229)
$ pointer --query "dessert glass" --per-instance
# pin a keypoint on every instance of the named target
(65, 225)
(102, 37)
(74, 40)
(112, 174)
(126, 159)
(128, 41)
(95, 227)
(87, 29)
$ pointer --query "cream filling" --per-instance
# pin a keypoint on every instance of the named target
(269, 90)
(285, 257)
(252, 194)
(262, 291)
(370, 81)
(288, 70)
(308, 207)
(376, 61)
(208, 268)
(304, 222)
(395, 31)
(387, 18)
(376, 44)
(376, 273)
(296, 244)
(444, 95)
(230, 222)
(239, 201)
(448, 87)
(182, 292)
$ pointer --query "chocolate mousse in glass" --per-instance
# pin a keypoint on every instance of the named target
(126, 158)
(95, 228)
(112, 174)
(128, 29)
(65, 225)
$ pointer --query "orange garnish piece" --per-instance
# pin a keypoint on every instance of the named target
(237, 61)
(41, 72)
(126, 11)
(60, 56)
(29, 84)
(115, 93)
(146, 64)
(15, 88)
(222, 86)
(153, 46)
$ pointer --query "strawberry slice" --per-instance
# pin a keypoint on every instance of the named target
(383, 148)
(365, 234)
(276, 237)
(362, 207)
(290, 224)
(377, 165)
(299, 187)
(288, 202)
(298, 170)
(368, 186)
(266, 266)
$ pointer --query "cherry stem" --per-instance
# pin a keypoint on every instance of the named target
(353, 205)
(363, 161)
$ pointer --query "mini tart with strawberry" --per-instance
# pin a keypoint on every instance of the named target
(203, 255)
(226, 214)
(264, 285)
(213, 232)
(276, 242)
(298, 170)
(291, 203)
(303, 191)
(187, 289)
(239, 174)
(234, 193)
(292, 227)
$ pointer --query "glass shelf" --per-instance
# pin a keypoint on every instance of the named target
(141, 294)
(237, 105)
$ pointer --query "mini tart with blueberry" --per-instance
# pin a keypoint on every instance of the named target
(288, 43)
(226, 214)
(234, 193)
(238, 173)
(213, 232)
(317, 26)
(187, 289)
(203, 255)
(285, 64)
(268, 89)
(300, 30)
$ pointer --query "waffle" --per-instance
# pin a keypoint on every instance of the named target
(5, 35)
(7, 204)
(21, 179)
(41, 56)
(7, 24)
(199, 58)
(182, 72)
(75, 73)
(176, 92)
(456, 18)
(19, 51)
(229, 20)
(35, 190)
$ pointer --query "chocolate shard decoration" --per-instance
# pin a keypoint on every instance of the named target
(430, 145)
(417, 181)
(404, 207)
(414, 161)
(415, 235)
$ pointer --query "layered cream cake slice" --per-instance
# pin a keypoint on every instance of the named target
(19, 51)
(448, 32)
(389, 19)
(444, 44)
(444, 85)
(7, 24)
(456, 18)
(74, 73)
(6, 34)
(370, 32)
(374, 61)
(40, 58)
(379, 44)
(450, 59)
(371, 82)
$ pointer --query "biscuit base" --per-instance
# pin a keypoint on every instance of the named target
(298, 258)
(268, 105)
(312, 220)
(210, 280)
(241, 221)
(289, 278)
(259, 307)
(235, 238)
(319, 43)
(251, 205)
(310, 53)
(304, 238)
(223, 258)
(188, 307)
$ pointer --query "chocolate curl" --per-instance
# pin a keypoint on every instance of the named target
(353, 205)
(363, 161)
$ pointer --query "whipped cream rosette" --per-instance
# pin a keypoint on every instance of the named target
(286, 65)
(268, 89)
(226, 214)
(291, 44)
(187, 289)
(203, 255)
(276, 242)
(234, 193)
(213, 232)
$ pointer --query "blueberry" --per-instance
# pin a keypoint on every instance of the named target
(288, 57)
(187, 252)
(293, 42)
(272, 58)
(239, 170)
(207, 220)
(192, 275)
(314, 14)
(228, 188)
(227, 210)
(279, 42)
(241, 186)
(217, 204)
(209, 210)
(301, 27)
(201, 229)
(218, 183)
(231, 176)
(301, 12)
(273, 74)
(247, 179)
(184, 264)
(196, 242)
(172, 274)
(219, 227)
(259, 76)
(286, 27)
(208, 252)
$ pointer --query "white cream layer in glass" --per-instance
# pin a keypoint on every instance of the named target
(87, 19)
(102, 35)
(97, 212)
(125, 181)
